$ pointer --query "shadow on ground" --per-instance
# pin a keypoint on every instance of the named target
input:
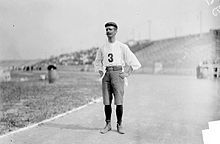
(69, 126)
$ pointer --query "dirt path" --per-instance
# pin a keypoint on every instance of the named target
(158, 109)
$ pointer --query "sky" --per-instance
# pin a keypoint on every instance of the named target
(38, 29)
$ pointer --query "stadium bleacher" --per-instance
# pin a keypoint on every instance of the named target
(178, 55)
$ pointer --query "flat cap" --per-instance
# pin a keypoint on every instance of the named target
(111, 24)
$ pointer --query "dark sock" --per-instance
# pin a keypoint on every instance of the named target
(119, 112)
(108, 112)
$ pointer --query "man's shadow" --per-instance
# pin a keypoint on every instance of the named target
(68, 126)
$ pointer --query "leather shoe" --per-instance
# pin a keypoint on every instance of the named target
(120, 129)
(106, 128)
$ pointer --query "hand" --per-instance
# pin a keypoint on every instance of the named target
(123, 74)
(101, 73)
(127, 72)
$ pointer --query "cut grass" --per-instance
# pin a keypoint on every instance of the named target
(34, 100)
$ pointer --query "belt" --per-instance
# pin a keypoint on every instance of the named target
(113, 68)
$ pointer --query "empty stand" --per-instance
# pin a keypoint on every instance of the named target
(178, 55)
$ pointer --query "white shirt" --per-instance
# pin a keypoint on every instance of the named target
(115, 54)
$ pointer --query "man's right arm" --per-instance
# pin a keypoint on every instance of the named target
(98, 64)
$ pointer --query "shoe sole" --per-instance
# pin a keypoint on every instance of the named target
(121, 132)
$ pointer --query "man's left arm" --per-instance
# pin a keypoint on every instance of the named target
(127, 72)
(131, 62)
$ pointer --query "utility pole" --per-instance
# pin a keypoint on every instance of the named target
(149, 29)
(133, 34)
(175, 32)
(200, 23)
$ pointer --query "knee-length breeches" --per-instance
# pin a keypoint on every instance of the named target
(113, 86)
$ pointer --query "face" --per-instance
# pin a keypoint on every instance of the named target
(110, 31)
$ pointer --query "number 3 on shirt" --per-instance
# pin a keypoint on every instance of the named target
(110, 57)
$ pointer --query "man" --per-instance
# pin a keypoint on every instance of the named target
(110, 62)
